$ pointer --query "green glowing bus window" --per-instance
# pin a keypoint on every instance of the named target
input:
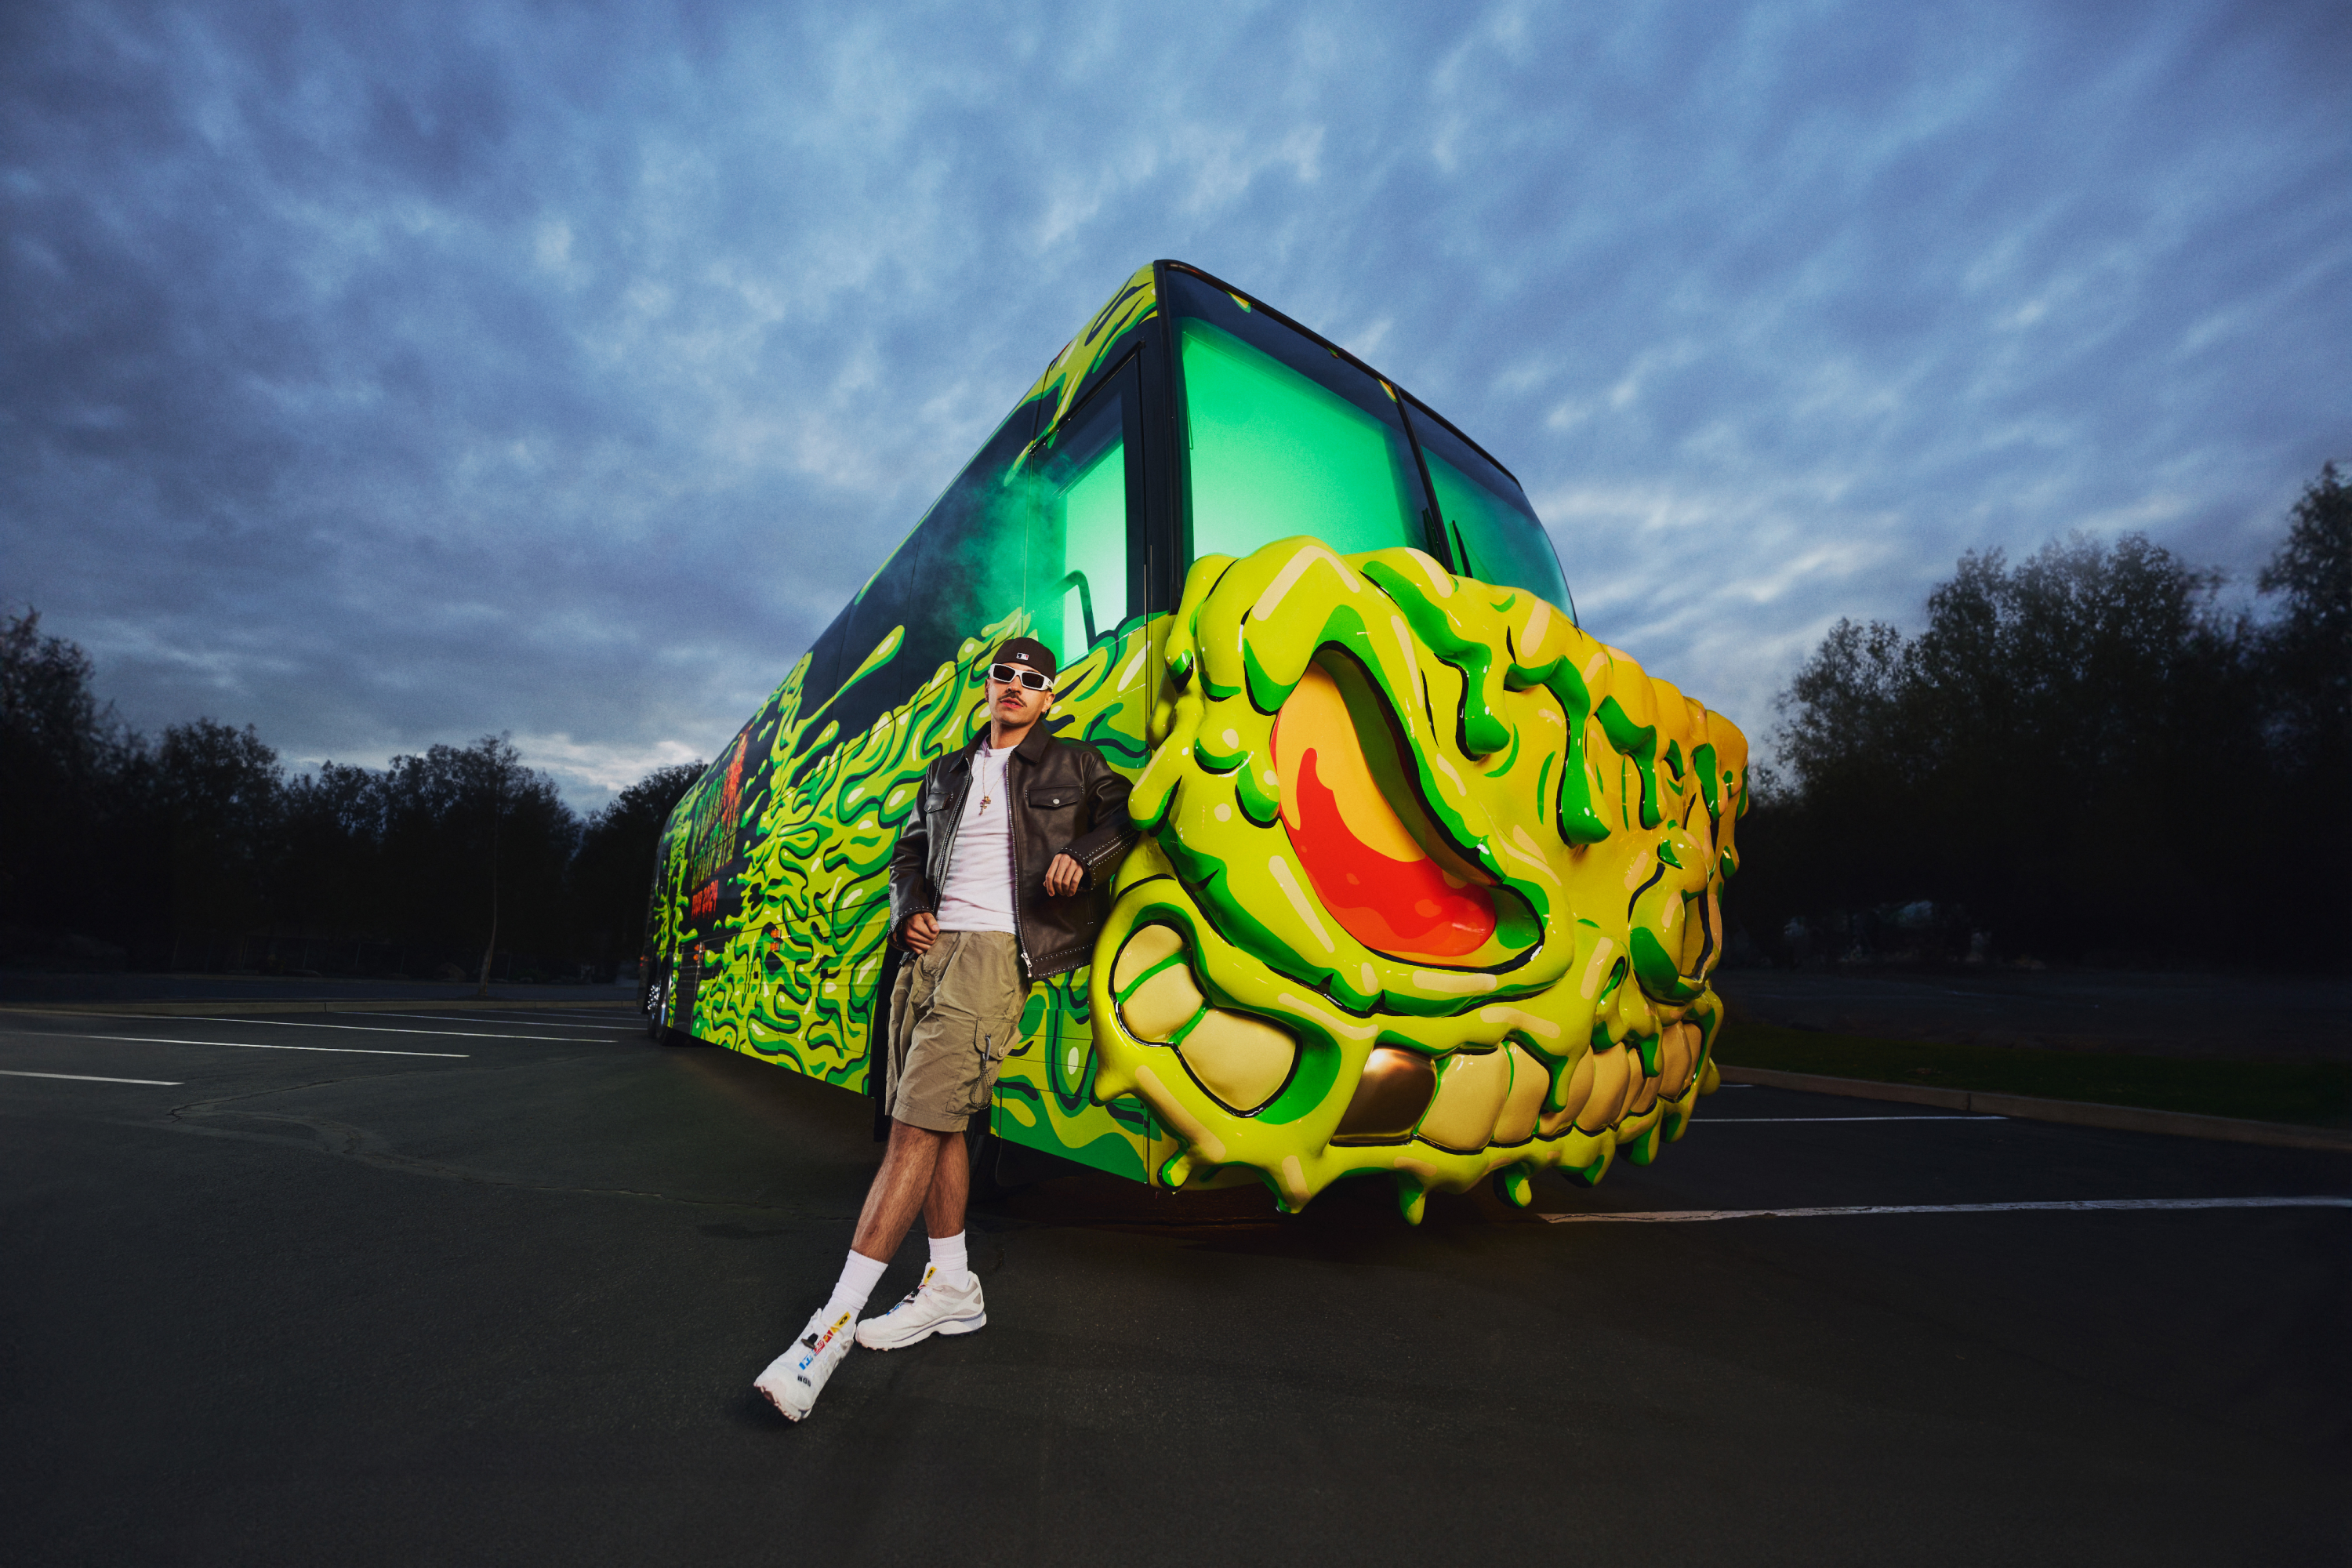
(1081, 550)
(1275, 452)
(1490, 529)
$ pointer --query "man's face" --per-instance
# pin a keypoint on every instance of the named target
(1015, 705)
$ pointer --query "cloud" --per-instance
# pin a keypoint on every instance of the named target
(390, 374)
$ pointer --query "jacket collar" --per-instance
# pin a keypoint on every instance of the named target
(1032, 749)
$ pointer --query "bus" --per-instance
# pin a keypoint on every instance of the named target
(1427, 886)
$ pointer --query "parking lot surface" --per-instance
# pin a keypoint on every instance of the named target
(485, 1287)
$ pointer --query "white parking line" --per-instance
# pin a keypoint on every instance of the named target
(380, 1029)
(1673, 1216)
(1736, 1120)
(228, 1045)
(92, 1078)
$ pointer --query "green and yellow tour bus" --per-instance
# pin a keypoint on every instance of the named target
(1427, 882)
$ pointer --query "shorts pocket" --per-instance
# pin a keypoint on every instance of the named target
(991, 1042)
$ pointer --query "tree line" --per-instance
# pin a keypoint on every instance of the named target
(2084, 756)
(200, 851)
(2081, 756)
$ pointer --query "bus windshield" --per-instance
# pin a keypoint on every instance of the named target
(1283, 436)
(1490, 529)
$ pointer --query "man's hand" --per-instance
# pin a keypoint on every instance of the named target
(1064, 877)
(920, 933)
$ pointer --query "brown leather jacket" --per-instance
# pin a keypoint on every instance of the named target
(1066, 801)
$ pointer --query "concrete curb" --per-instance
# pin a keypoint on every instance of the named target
(2076, 1113)
(348, 1005)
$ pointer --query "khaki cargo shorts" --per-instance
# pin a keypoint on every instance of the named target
(954, 1013)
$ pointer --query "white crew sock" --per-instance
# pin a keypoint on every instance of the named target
(857, 1280)
(948, 1257)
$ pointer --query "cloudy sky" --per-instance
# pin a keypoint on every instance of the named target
(394, 373)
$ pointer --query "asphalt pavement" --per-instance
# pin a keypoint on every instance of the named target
(30, 987)
(483, 1286)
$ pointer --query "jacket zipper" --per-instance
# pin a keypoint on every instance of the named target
(1013, 871)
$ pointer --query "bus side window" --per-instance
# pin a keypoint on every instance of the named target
(825, 659)
(965, 557)
(1082, 551)
(877, 612)
(973, 546)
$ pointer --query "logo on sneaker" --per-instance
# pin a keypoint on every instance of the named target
(817, 1344)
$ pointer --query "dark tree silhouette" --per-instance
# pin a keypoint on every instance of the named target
(221, 794)
(2306, 662)
(2085, 755)
(614, 869)
(82, 858)
(2308, 650)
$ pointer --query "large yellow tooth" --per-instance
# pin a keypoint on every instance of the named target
(1579, 1091)
(1147, 947)
(1609, 1086)
(1470, 1092)
(1240, 1059)
(1677, 1053)
(1642, 1090)
(1525, 1104)
(1162, 1004)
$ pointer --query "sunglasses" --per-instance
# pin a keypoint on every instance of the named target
(1006, 674)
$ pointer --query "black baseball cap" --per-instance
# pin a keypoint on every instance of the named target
(1028, 651)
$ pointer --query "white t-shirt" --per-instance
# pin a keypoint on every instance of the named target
(979, 894)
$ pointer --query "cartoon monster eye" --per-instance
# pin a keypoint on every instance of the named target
(1368, 870)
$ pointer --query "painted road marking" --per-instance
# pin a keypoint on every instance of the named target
(227, 1045)
(380, 1029)
(92, 1078)
(1736, 1120)
(449, 1018)
(1671, 1216)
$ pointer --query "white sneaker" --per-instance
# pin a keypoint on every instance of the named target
(931, 1308)
(795, 1378)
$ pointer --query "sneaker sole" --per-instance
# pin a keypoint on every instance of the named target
(953, 1326)
(782, 1409)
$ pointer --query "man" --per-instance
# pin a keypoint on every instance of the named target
(1001, 878)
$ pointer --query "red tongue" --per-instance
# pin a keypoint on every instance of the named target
(1403, 906)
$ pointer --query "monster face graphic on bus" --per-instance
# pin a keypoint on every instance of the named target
(1431, 885)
